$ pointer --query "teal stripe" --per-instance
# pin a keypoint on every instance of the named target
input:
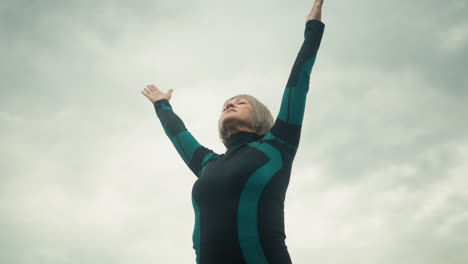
(304, 76)
(208, 157)
(187, 141)
(249, 238)
(283, 114)
(297, 107)
(165, 106)
(294, 98)
(299, 94)
(177, 146)
(205, 160)
(293, 105)
(201, 170)
(196, 230)
(270, 135)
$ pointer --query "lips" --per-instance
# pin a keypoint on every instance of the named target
(231, 110)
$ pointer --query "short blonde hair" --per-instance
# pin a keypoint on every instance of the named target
(262, 120)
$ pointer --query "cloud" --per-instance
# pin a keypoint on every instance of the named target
(89, 176)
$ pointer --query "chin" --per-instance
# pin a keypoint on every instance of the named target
(230, 121)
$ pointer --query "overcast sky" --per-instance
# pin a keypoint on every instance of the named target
(88, 175)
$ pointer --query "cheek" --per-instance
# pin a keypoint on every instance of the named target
(248, 112)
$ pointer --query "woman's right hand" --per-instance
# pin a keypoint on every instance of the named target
(316, 12)
(154, 94)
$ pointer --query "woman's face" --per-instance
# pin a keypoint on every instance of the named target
(237, 111)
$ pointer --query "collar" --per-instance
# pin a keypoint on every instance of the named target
(242, 137)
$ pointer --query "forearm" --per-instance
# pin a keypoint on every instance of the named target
(175, 129)
(306, 57)
(169, 120)
(192, 152)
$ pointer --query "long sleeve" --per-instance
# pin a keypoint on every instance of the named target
(195, 156)
(288, 124)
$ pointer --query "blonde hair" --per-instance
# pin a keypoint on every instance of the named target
(261, 122)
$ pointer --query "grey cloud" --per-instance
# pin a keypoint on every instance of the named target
(88, 175)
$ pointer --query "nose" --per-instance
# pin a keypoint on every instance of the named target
(229, 106)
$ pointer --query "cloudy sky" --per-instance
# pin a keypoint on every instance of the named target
(88, 176)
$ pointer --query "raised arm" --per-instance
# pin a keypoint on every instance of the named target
(195, 156)
(288, 124)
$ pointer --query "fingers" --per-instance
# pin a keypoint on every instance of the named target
(152, 91)
(146, 94)
(154, 88)
(148, 90)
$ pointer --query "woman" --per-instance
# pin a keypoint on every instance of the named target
(239, 196)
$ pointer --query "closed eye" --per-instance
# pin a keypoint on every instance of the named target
(237, 103)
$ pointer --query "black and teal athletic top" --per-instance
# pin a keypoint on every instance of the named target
(239, 196)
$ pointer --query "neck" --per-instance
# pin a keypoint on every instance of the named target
(235, 130)
(241, 137)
